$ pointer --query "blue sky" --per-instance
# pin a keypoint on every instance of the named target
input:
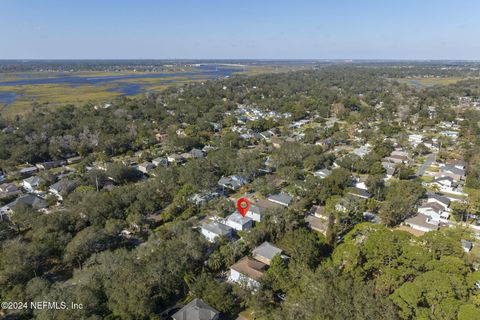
(261, 29)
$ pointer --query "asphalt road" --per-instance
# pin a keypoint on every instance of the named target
(428, 162)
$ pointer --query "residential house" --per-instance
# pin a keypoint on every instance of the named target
(62, 188)
(196, 310)
(28, 199)
(394, 158)
(445, 184)
(459, 164)
(362, 151)
(439, 199)
(266, 252)
(160, 162)
(215, 229)
(202, 198)
(267, 135)
(450, 133)
(322, 173)
(435, 211)
(73, 160)
(232, 182)
(389, 169)
(415, 139)
(399, 152)
(8, 190)
(146, 167)
(281, 199)
(239, 222)
(317, 224)
(360, 192)
(452, 171)
(27, 172)
(422, 223)
(32, 184)
(255, 213)
(50, 164)
(197, 153)
(257, 209)
(248, 272)
(175, 158)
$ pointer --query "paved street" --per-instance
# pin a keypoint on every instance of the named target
(428, 162)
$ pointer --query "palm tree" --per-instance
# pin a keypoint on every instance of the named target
(215, 262)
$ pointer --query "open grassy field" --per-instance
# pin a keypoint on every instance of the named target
(428, 82)
(54, 95)
(58, 94)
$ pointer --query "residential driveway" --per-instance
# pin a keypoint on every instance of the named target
(428, 162)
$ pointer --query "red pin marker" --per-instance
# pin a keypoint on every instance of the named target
(243, 205)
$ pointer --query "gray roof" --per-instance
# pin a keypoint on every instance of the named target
(266, 250)
(8, 187)
(34, 181)
(362, 151)
(29, 200)
(196, 310)
(282, 198)
(255, 209)
(452, 169)
(232, 182)
(238, 218)
(322, 173)
(63, 186)
(28, 170)
(197, 153)
(443, 178)
(360, 192)
(438, 197)
(217, 228)
(159, 160)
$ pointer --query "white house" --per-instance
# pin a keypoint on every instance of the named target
(255, 213)
(238, 222)
(362, 151)
(214, 229)
(422, 223)
(435, 211)
(450, 133)
(247, 272)
(415, 139)
(322, 174)
(439, 199)
(445, 184)
(32, 184)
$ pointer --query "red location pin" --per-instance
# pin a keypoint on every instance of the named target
(243, 205)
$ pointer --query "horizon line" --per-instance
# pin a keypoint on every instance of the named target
(239, 59)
